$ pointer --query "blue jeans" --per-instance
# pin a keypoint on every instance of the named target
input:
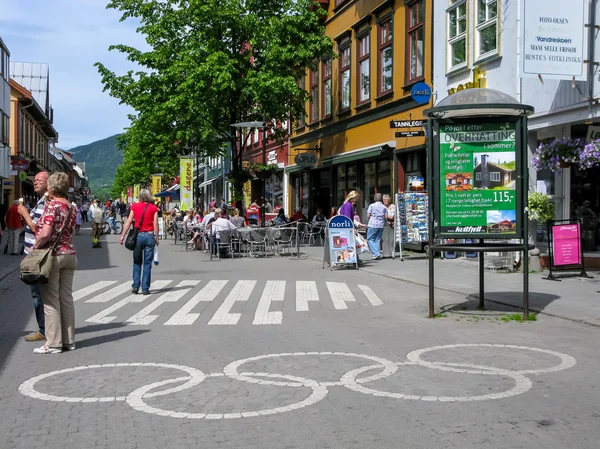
(374, 240)
(38, 306)
(143, 254)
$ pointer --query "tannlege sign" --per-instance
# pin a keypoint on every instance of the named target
(407, 123)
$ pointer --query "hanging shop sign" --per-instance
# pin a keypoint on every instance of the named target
(22, 176)
(186, 186)
(407, 123)
(421, 93)
(306, 160)
(410, 134)
(272, 157)
(341, 241)
(18, 164)
(553, 39)
(478, 179)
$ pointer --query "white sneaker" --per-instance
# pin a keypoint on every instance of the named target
(47, 350)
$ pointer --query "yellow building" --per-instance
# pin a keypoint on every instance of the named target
(384, 48)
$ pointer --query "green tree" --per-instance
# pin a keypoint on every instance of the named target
(211, 63)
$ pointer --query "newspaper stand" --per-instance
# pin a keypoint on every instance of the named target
(477, 179)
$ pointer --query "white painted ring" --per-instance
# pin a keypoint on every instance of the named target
(27, 388)
(566, 361)
(522, 385)
(135, 399)
(231, 370)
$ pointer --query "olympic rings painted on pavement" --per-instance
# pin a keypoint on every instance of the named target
(231, 370)
(137, 399)
(28, 387)
(566, 360)
(522, 384)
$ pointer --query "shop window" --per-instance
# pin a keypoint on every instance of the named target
(274, 192)
(457, 34)
(384, 179)
(345, 77)
(340, 185)
(302, 116)
(386, 58)
(364, 69)
(487, 28)
(326, 88)
(415, 18)
(314, 95)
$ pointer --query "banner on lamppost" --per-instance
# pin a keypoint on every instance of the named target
(130, 195)
(156, 184)
(186, 183)
(136, 192)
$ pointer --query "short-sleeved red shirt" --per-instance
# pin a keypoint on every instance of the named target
(148, 223)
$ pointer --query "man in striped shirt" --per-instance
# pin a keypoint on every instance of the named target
(40, 185)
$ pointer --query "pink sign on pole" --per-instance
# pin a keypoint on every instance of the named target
(566, 242)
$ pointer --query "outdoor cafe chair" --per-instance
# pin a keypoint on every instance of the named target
(258, 241)
(224, 242)
(282, 238)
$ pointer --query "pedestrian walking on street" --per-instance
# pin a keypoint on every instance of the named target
(389, 234)
(14, 226)
(84, 212)
(77, 217)
(55, 230)
(97, 215)
(145, 216)
(377, 215)
(31, 218)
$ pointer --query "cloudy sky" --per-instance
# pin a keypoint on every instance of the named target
(71, 35)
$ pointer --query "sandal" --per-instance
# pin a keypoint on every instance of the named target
(47, 350)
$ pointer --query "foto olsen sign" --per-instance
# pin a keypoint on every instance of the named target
(553, 39)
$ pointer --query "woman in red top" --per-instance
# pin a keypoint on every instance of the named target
(144, 215)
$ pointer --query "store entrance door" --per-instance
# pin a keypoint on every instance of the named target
(320, 192)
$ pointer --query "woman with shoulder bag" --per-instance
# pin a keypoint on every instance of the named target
(54, 230)
(145, 216)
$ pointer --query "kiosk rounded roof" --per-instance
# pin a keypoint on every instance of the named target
(473, 102)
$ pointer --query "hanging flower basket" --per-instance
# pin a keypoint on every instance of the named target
(559, 153)
(262, 171)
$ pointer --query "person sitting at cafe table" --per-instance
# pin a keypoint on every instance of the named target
(217, 226)
(281, 219)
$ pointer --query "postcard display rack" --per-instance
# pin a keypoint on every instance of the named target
(412, 223)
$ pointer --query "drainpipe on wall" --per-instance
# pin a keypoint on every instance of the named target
(591, 52)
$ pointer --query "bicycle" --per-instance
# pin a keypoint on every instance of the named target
(112, 224)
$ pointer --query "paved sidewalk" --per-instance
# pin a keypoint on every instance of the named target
(573, 298)
(8, 264)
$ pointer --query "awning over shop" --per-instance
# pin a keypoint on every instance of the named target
(205, 183)
(349, 156)
(171, 191)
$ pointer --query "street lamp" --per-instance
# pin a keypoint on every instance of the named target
(257, 124)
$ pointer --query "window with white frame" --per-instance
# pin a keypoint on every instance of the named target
(478, 176)
(364, 69)
(326, 111)
(495, 176)
(345, 76)
(457, 34)
(487, 28)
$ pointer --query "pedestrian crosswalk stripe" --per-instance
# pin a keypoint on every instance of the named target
(110, 294)
(264, 313)
(371, 296)
(340, 294)
(305, 291)
(207, 294)
(104, 318)
(274, 291)
(240, 292)
(91, 289)
(144, 317)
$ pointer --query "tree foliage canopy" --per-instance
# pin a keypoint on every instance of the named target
(210, 63)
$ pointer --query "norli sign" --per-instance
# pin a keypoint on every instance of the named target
(478, 179)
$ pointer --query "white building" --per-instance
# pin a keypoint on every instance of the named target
(537, 51)
(5, 166)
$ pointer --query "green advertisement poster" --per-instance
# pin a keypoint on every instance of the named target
(478, 179)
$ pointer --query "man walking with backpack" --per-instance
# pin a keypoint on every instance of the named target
(97, 216)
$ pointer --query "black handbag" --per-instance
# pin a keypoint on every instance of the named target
(131, 239)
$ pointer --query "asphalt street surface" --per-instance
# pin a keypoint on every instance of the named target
(280, 353)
